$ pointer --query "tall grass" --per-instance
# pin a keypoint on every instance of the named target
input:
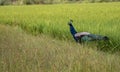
(20, 52)
(98, 18)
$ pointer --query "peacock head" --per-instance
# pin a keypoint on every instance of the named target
(70, 22)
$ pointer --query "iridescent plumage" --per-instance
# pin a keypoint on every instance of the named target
(84, 36)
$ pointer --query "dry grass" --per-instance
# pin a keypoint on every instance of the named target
(20, 52)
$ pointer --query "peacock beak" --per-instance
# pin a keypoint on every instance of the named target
(68, 23)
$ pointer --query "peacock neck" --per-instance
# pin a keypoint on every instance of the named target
(72, 30)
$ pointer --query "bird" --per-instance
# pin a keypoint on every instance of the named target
(84, 36)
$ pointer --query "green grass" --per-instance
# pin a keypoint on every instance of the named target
(51, 20)
(20, 52)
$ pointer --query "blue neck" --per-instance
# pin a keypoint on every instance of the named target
(73, 31)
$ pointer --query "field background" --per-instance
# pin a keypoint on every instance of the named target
(36, 38)
(97, 18)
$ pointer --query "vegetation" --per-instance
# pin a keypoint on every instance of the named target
(36, 38)
(52, 20)
(19, 2)
(20, 52)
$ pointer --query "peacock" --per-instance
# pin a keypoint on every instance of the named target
(84, 36)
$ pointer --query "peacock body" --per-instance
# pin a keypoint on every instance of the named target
(84, 36)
